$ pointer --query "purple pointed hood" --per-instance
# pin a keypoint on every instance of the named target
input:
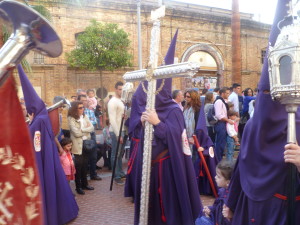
(164, 97)
(261, 163)
(201, 130)
(59, 203)
(34, 103)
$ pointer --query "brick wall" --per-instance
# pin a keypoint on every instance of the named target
(197, 24)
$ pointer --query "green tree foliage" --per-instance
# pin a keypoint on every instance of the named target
(101, 47)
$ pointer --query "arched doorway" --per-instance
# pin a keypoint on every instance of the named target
(211, 70)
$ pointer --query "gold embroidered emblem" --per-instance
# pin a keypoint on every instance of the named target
(17, 162)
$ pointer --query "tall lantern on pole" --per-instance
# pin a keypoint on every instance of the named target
(284, 75)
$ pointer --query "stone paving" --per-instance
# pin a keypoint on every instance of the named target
(104, 207)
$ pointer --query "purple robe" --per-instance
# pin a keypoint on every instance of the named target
(134, 132)
(258, 185)
(178, 199)
(59, 203)
(211, 159)
(131, 170)
(135, 128)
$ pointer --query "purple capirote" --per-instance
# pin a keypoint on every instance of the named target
(210, 159)
(59, 203)
(174, 196)
(261, 172)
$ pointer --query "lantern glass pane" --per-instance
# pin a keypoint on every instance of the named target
(285, 70)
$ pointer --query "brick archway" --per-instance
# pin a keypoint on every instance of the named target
(213, 52)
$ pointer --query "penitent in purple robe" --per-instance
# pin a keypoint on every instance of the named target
(209, 154)
(138, 106)
(59, 203)
(174, 197)
(258, 187)
(131, 170)
(134, 130)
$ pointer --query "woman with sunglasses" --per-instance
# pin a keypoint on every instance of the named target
(191, 114)
(80, 129)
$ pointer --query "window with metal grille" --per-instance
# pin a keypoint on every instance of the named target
(38, 58)
(76, 38)
(263, 55)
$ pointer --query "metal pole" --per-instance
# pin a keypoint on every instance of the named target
(146, 169)
(140, 56)
(292, 170)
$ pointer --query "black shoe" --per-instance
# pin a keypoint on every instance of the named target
(96, 178)
(88, 188)
(80, 191)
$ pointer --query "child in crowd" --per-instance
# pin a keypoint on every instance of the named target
(214, 214)
(91, 99)
(66, 159)
(232, 134)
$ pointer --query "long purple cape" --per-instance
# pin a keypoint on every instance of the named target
(261, 163)
(179, 183)
(260, 171)
(59, 203)
(211, 160)
(180, 199)
(138, 106)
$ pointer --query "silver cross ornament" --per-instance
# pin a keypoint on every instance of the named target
(151, 74)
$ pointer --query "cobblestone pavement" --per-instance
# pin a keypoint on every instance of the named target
(104, 207)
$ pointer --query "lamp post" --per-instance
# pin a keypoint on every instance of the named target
(284, 74)
(139, 34)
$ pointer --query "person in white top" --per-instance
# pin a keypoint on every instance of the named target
(178, 97)
(234, 97)
(115, 113)
(232, 132)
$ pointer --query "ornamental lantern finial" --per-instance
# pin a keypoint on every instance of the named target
(284, 60)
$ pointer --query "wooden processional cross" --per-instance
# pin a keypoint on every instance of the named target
(151, 74)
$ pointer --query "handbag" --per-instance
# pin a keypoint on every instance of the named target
(88, 145)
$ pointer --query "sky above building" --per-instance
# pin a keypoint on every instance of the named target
(263, 10)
